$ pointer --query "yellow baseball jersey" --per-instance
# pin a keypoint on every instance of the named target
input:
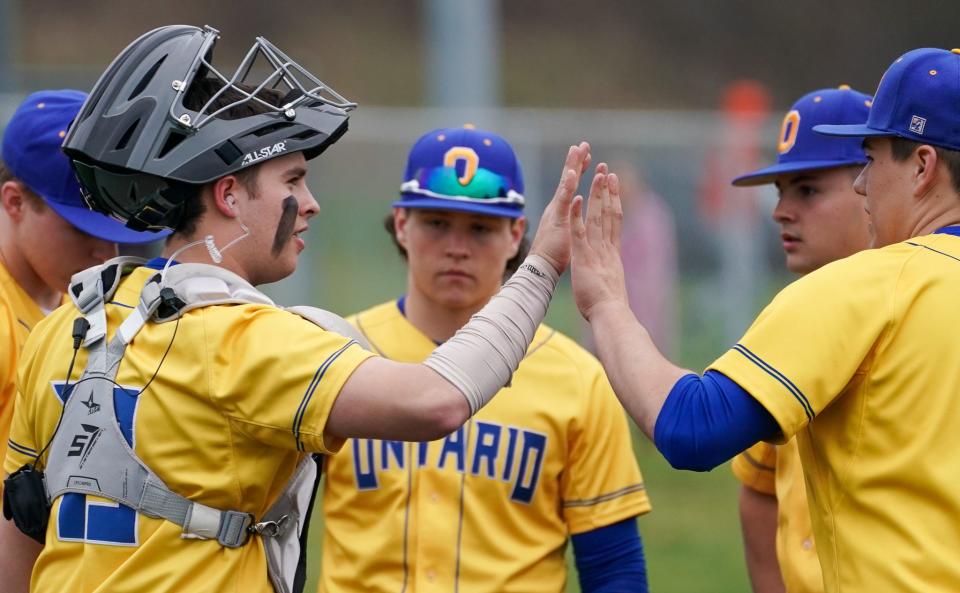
(756, 468)
(18, 314)
(776, 470)
(859, 359)
(490, 507)
(242, 392)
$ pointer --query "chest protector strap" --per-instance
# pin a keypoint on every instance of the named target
(90, 453)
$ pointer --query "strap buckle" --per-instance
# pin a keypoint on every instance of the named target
(270, 528)
(234, 528)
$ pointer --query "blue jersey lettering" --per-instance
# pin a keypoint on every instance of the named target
(534, 445)
(388, 448)
(516, 457)
(422, 454)
(487, 447)
(454, 444)
(363, 465)
(511, 446)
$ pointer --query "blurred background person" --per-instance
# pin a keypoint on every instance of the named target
(649, 256)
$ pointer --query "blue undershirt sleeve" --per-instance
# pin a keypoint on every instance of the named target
(610, 559)
(707, 420)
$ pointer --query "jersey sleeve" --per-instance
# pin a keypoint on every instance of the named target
(22, 439)
(277, 376)
(9, 350)
(811, 340)
(756, 468)
(603, 484)
(22, 446)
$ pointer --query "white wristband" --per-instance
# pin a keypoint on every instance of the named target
(482, 356)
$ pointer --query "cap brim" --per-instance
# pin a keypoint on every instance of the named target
(102, 226)
(415, 201)
(860, 130)
(770, 174)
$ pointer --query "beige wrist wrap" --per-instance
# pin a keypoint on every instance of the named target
(482, 356)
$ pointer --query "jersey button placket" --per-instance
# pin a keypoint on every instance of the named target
(433, 515)
(438, 512)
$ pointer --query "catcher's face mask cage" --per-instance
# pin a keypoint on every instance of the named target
(163, 120)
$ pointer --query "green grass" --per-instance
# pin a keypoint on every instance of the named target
(692, 537)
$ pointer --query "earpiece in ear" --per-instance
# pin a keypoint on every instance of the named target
(231, 201)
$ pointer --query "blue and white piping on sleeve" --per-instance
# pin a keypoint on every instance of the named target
(305, 402)
(780, 377)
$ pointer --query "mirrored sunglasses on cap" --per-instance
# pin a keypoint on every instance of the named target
(444, 182)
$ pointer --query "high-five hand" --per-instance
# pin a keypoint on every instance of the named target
(552, 241)
(597, 270)
(640, 375)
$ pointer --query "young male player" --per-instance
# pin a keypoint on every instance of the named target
(821, 220)
(46, 232)
(491, 506)
(223, 402)
(858, 358)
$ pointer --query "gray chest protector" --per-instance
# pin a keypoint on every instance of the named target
(90, 455)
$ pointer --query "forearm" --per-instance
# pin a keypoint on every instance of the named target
(482, 356)
(390, 400)
(758, 520)
(639, 374)
(707, 421)
(19, 553)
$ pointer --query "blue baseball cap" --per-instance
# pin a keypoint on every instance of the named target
(918, 99)
(799, 149)
(31, 152)
(463, 169)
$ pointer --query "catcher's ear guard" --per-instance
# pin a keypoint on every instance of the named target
(25, 501)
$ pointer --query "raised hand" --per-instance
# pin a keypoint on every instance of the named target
(597, 270)
(552, 240)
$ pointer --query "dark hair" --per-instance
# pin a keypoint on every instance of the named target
(193, 209)
(512, 264)
(34, 201)
(902, 148)
(199, 93)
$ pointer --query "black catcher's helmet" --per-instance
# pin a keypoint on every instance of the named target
(162, 120)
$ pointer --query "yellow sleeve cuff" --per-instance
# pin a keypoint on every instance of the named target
(774, 390)
(756, 468)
